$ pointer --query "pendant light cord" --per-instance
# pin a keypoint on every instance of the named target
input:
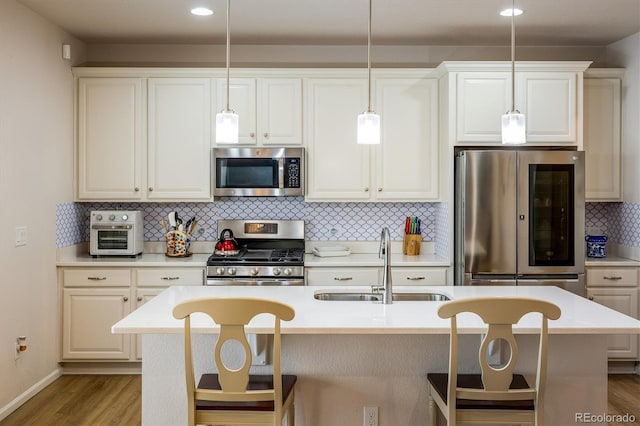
(228, 49)
(513, 56)
(369, 58)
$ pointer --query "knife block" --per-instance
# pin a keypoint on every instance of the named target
(411, 244)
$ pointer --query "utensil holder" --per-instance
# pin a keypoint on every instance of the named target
(411, 244)
(178, 244)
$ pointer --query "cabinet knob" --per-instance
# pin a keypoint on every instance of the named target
(139, 298)
(150, 189)
(366, 189)
(126, 299)
(136, 189)
(252, 134)
(379, 189)
(266, 135)
(590, 297)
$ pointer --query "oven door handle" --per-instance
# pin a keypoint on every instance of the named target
(259, 281)
(107, 227)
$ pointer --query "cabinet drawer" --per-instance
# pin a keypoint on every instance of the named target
(612, 277)
(342, 276)
(169, 277)
(96, 277)
(419, 276)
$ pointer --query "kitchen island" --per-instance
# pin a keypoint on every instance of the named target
(353, 354)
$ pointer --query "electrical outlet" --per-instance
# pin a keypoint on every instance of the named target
(370, 416)
(21, 236)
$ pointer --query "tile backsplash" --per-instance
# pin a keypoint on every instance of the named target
(323, 221)
(328, 221)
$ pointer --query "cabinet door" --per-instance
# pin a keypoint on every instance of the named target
(481, 100)
(179, 132)
(337, 167)
(623, 300)
(408, 110)
(548, 101)
(280, 111)
(110, 138)
(242, 100)
(143, 296)
(602, 139)
(88, 314)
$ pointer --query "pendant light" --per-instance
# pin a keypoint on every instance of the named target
(513, 122)
(227, 120)
(369, 121)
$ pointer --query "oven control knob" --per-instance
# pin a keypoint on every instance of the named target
(98, 217)
(254, 271)
(125, 217)
(231, 271)
(277, 271)
(112, 217)
(287, 271)
(220, 270)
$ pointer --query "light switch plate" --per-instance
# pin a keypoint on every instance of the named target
(21, 236)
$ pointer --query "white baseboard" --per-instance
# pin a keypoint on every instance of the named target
(29, 393)
(623, 367)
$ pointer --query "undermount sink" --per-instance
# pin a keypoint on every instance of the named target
(375, 297)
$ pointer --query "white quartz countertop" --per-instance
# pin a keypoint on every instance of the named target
(579, 315)
(142, 260)
(611, 261)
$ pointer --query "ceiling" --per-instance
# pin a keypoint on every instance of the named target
(408, 22)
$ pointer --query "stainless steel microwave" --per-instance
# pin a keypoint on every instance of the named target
(258, 172)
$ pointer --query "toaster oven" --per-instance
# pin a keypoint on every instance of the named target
(116, 233)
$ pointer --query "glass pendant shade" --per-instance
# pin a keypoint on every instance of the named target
(227, 128)
(513, 128)
(368, 128)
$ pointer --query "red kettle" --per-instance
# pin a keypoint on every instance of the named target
(227, 244)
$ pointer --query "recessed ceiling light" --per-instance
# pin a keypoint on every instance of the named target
(201, 11)
(507, 12)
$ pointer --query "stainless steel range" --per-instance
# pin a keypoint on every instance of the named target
(270, 252)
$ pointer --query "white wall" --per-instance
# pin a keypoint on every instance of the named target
(626, 54)
(36, 172)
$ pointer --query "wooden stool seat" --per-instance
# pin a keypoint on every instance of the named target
(256, 382)
(439, 381)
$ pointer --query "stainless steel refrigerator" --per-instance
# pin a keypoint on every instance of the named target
(519, 218)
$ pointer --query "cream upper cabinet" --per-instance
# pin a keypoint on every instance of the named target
(269, 109)
(179, 139)
(549, 102)
(110, 138)
(477, 94)
(337, 167)
(481, 99)
(602, 142)
(144, 139)
(404, 167)
(407, 158)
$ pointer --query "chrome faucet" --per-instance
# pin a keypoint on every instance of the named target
(385, 250)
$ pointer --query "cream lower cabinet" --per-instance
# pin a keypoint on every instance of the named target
(371, 276)
(404, 167)
(602, 137)
(93, 299)
(618, 290)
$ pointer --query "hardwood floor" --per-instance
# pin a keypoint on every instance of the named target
(83, 400)
(115, 400)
